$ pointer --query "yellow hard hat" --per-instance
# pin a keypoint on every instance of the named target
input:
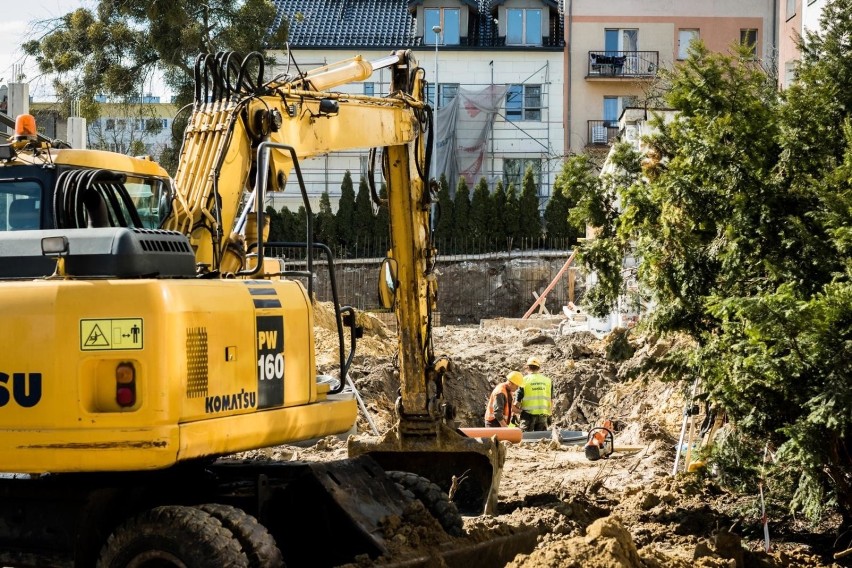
(516, 378)
(533, 362)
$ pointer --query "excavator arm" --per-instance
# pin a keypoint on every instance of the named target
(233, 114)
(244, 133)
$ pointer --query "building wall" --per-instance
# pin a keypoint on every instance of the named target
(658, 23)
(790, 32)
(470, 69)
(117, 127)
(804, 16)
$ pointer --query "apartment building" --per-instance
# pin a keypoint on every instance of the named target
(138, 127)
(498, 66)
(615, 49)
(797, 18)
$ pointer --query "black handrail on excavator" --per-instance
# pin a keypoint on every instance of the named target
(354, 333)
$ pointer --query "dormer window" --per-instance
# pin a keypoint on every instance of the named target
(450, 21)
(523, 27)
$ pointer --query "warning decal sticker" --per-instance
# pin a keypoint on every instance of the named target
(110, 334)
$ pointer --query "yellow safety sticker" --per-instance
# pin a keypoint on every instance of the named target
(110, 334)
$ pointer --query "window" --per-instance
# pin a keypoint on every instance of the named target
(523, 102)
(789, 73)
(153, 124)
(448, 92)
(791, 8)
(110, 124)
(624, 45)
(515, 168)
(618, 40)
(20, 205)
(613, 107)
(449, 19)
(146, 194)
(684, 40)
(523, 27)
(370, 89)
(748, 37)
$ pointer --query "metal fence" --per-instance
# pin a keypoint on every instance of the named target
(471, 286)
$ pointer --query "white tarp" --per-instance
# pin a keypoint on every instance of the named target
(462, 133)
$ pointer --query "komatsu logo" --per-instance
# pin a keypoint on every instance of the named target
(23, 388)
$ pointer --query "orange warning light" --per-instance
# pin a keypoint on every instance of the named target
(25, 127)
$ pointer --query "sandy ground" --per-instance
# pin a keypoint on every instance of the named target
(623, 511)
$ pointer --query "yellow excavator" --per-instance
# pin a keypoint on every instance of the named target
(148, 336)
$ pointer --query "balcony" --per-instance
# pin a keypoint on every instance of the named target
(602, 132)
(622, 64)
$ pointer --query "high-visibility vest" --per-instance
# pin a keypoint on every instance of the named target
(503, 389)
(537, 394)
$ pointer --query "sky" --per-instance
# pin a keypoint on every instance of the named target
(16, 27)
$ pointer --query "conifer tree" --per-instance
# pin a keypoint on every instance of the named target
(556, 222)
(480, 211)
(529, 219)
(461, 213)
(512, 217)
(444, 228)
(276, 224)
(345, 218)
(364, 220)
(326, 231)
(497, 227)
(739, 220)
(290, 226)
(302, 223)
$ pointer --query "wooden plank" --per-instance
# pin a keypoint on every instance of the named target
(550, 286)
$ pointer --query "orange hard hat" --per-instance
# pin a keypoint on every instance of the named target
(515, 378)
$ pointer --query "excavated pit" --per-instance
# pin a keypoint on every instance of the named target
(624, 511)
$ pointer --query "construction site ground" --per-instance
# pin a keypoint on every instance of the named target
(624, 511)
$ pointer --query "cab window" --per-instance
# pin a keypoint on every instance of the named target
(151, 198)
(20, 205)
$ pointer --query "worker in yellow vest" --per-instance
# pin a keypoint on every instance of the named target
(536, 404)
(498, 414)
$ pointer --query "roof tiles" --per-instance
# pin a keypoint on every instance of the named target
(348, 23)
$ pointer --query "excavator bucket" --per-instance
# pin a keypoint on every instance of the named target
(467, 469)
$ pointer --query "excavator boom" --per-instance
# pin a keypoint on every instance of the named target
(240, 127)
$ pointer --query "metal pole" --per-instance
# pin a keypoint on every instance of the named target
(437, 32)
(686, 416)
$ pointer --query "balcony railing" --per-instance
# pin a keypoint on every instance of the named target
(602, 132)
(627, 64)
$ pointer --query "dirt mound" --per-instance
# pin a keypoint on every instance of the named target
(607, 544)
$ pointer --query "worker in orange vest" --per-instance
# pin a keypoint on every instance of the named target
(499, 411)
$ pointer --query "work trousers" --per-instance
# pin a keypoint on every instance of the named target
(534, 422)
